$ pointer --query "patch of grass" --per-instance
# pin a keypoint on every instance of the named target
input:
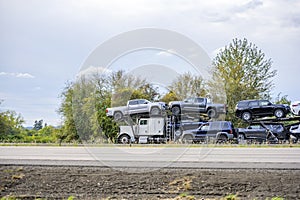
(275, 198)
(17, 176)
(9, 198)
(231, 197)
(182, 183)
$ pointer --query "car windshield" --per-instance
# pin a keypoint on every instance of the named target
(189, 100)
(275, 127)
(205, 127)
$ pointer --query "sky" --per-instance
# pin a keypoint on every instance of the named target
(45, 43)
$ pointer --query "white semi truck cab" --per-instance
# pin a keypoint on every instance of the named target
(147, 130)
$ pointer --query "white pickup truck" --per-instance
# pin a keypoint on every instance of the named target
(136, 106)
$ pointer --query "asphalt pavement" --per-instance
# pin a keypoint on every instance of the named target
(153, 157)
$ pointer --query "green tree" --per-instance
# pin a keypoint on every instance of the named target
(282, 99)
(38, 125)
(10, 125)
(84, 104)
(188, 85)
(68, 130)
(244, 71)
(170, 96)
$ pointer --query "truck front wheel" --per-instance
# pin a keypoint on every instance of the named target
(124, 139)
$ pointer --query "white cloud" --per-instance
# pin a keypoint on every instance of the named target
(92, 70)
(17, 75)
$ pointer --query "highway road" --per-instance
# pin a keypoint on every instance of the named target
(152, 157)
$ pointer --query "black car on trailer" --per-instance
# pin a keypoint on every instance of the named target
(250, 109)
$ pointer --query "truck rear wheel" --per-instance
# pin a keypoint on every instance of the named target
(246, 116)
(222, 139)
(176, 110)
(212, 113)
(154, 111)
(118, 116)
(278, 113)
(187, 139)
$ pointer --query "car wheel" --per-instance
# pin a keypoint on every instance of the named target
(118, 116)
(246, 116)
(187, 139)
(222, 139)
(176, 110)
(155, 111)
(212, 113)
(124, 139)
(278, 113)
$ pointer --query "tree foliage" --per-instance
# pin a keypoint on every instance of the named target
(84, 104)
(38, 125)
(244, 71)
(10, 125)
(188, 85)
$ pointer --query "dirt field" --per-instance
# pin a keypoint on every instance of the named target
(32, 182)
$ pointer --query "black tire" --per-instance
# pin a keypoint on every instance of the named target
(246, 116)
(118, 116)
(212, 113)
(176, 110)
(187, 139)
(124, 139)
(155, 111)
(278, 113)
(222, 139)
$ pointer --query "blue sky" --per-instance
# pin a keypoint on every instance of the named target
(44, 43)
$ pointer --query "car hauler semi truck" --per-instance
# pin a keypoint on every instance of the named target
(168, 129)
(148, 130)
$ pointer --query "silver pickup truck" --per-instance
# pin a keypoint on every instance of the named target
(136, 106)
(197, 105)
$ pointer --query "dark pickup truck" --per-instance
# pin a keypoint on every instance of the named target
(197, 105)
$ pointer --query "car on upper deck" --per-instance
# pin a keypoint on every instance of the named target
(198, 105)
(137, 106)
(250, 109)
